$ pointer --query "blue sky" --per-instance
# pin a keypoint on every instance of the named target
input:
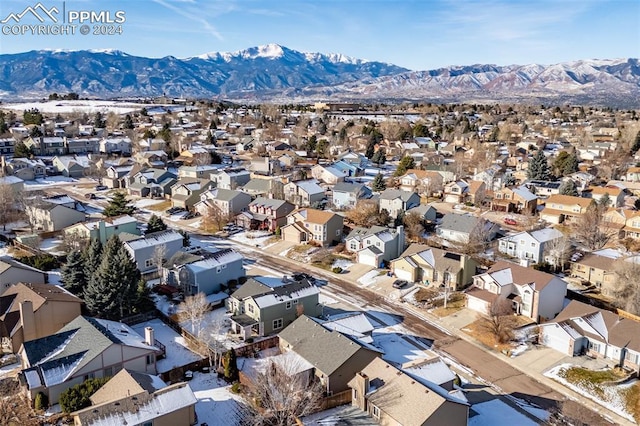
(417, 34)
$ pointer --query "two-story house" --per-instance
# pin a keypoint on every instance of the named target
(264, 306)
(231, 178)
(142, 249)
(614, 193)
(204, 272)
(12, 272)
(345, 195)
(561, 208)
(230, 202)
(151, 182)
(7, 146)
(47, 145)
(304, 192)
(327, 174)
(47, 216)
(264, 187)
(71, 166)
(528, 246)
(433, 266)
(104, 229)
(84, 348)
(309, 224)
(265, 214)
(186, 193)
(597, 270)
(118, 176)
(427, 182)
(534, 294)
(461, 227)
(396, 201)
(515, 199)
(83, 145)
(376, 245)
(31, 311)
(543, 188)
(26, 169)
(116, 146)
(456, 192)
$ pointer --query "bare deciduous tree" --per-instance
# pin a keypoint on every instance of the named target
(501, 321)
(625, 286)
(212, 337)
(74, 241)
(478, 239)
(8, 208)
(158, 258)
(281, 393)
(593, 229)
(193, 310)
(558, 250)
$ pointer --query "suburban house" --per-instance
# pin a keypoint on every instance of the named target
(336, 358)
(267, 188)
(198, 172)
(305, 225)
(186, 194)
(118, 176)
(150, 182)
(47, 145)
(543, 188)
(460, 227)
(584, 329)
(354, 158)
(376, 245)
(425, 212)
(26, 169)
(615, 194)
(265, 305)
(7, 146)
(529, 246)
(132, 398)
(596, 270)
(83, 145)
(117, 146)
(514, 200)
(265, 214)
(229, 202)
(393, 397)
(31, 311)
(231, 178)
(85, 348)
(456, 192)
(50, 215)
(429, 265)
(71, 166)
(327, 174)
(304, 192)
(196, 155)
(560, 208)
(205, 272)
(143, 249)
(345, 195)
(13, 272)
(425, 182)
(396, 201)
(104, 229)
(534, 294)
(15, 183)
(632, 174)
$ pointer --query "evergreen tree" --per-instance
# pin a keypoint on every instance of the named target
(570, 165)
(636, 144)
(113, 288)
(98, 121)
(406, 163)
(91, 258)
(378, 184)
(32, 116)
(380, 157)
(22, 151)
(568, 187)
(128, 122)
(156, 224)
(230, 366)
(509, 180)
(312, 143)
(73, 273)
(604, 201)
(118, 205)
(371, 149)
(539, 167)
(186, 239)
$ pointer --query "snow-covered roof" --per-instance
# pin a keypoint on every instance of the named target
(154, 239)
(355, 325)
(277, 297)
(435, 371)
(310, 186)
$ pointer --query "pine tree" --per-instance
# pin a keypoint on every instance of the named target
(605, 200)
(128, 123)
(570, 165)
(155, 224)
(380, 157)
(406, 163)
(118, 205)
(91, 258)
(568, 187)
(230, 366)
(112, 289)
(378, 184)
(73, 273)
(636, 144)
(539, 167)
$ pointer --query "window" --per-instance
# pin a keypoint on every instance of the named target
(631, 357)
(108, 372)
(250, 307)
(533, 244)
(148, 263)
(218, 270)
(594, 346)
(337, 232)
(355, 393)
(295, 301)
(375, 411)
(288, 305)
(224, 266)
(377, 243)
(277, 323)
(150, 359)
(354, 245)
(88, 376)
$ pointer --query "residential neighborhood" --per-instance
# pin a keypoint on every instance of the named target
(390, 266)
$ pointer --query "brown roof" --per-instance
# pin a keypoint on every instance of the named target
(576, 309)
(600, 190)
(521, 275)
(594, 261)
(421, 174)
(318, 216)
(569, 200)
(38, 294)
(474, 186)
(482, 294)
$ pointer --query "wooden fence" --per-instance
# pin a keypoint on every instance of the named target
(249, 349)
(336, 400)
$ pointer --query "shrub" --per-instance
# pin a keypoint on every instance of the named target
(249, 340)
(41, 402)
(235, 387)
(336, 270)
(77, 397)
(339, 248)
(44, 262)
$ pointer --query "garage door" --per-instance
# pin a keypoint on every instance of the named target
(477, 304)
(404, 275)
(367, 259)
(555, 338)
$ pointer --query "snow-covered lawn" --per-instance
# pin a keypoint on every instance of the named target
(146, 202)
(55, 107)
(178, 353)
(497, 413)
(612, 399)
(369, 278)
(216, 405)
(254, 238)
(342, 263)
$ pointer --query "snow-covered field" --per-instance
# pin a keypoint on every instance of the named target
(614, 400)
(178, 353)
(497, 413)
(55, 107)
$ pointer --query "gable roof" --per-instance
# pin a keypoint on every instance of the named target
(505, 273)
(7, 262)
(325, 349)
(317, 216)
(251, 288)
(459, 222)
(569, 200)
(268, 202)
(127, 383)
(392, 194)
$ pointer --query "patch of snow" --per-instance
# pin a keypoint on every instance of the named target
(497, 413)
(54, 277)
(369, 278)
(253, 238)
(284, 253)
(342, 263)
(216, 405)
(146, 202)
(520, 349)
(60, 106)
(8, 369)
(325, 299)
(398, 349)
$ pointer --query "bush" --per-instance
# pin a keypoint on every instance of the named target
(44, 262)
(77, 397)
(41, 402)
(235, 387)
(339, 248)
(336, 270)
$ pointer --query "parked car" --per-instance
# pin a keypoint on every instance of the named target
(400, 283)
(101, 187)
(510, 221)
(90, 196)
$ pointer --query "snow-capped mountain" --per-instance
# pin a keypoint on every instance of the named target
(274, 72)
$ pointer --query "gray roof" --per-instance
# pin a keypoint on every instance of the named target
(325, 349)
(349, 187)
(251, 288)
(392, 194)
(362, 233)
(258, 185)
(459, 222)
(225, 194)
(268, 202)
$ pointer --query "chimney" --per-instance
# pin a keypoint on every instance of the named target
(361, 388)
(27, 320)
(401, 240)
(149, 338)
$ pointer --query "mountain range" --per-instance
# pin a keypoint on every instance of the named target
(276, 73)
